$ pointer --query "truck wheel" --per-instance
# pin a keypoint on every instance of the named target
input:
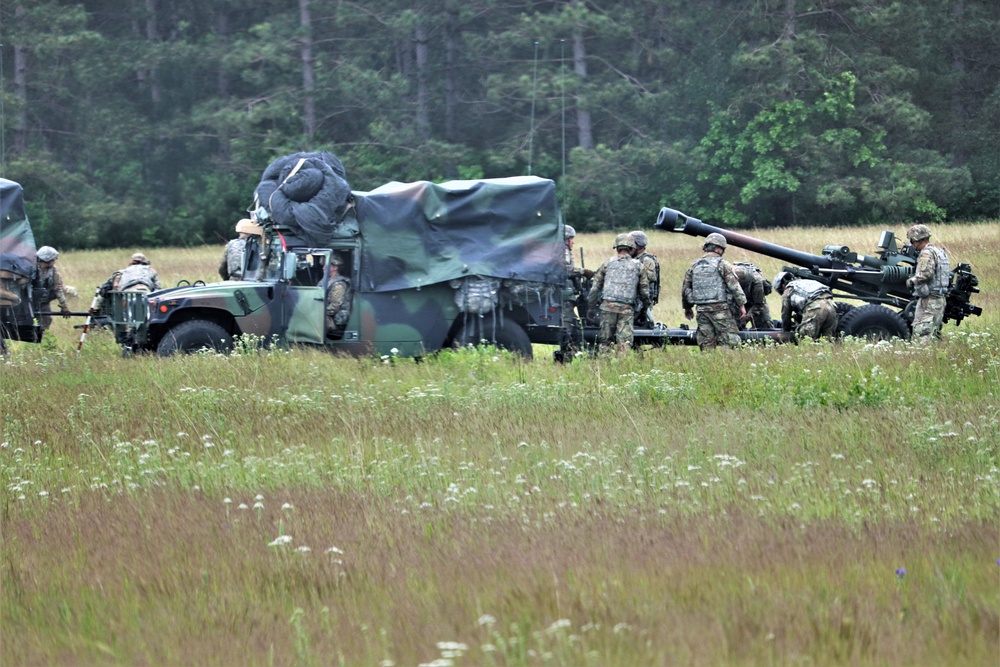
(874, 322)
(507, 335)
(194, 335)
(843, 308)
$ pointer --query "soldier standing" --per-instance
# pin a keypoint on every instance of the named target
(338, 298)
(49, 285)
(929, 284)
(618, 284)
(711, 284)
(569, 334)
(756, 288)
(809, 300)
(644, 316)
(231, 267)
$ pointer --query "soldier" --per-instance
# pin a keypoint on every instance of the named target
(138, 276)
(231, 267)
(48, 286)
(711, 285)
(644, 316)
(569, 334)
(756, 288)
(929, 284)
(808, 301)
(620, 283)
(338, 298)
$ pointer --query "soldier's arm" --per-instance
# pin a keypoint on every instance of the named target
(786, 310)
(732, 283)
(598, 286)
(155, 279)
(59, 290)
(686, 301)
(644, 286)
(925, 268)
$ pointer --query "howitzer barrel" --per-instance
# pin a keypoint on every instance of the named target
(675, 221)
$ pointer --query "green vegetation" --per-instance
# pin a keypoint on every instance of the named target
(149, 123)
(821, 503)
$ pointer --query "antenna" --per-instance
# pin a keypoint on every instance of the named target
(531, 135)
(562, 68)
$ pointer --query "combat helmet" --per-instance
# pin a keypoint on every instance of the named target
(139, 258)
(569, 233)
(716, 239)
(624, 241)
(47, 254)
(248, 226)
(918, 233)
(780, 278)
(640, 238)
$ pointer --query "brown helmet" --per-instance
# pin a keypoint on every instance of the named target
(139, 258)
(918, 233)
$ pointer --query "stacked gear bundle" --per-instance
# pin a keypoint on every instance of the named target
(307, 193)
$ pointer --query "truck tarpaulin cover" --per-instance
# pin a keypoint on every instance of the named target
(306, 193)
(17, 243)
(423, 233)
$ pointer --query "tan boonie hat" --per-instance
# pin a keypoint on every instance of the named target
(139, 258)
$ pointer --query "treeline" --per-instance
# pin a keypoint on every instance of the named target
(150, 121)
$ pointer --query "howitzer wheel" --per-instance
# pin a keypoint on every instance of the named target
(506, 334)
(193, 336)
(873, 322)
(843, 308)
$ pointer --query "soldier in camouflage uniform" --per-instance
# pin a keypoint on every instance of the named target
(231, 267)
(929, 284)
(711, 285)
(48, 285)
(756, 288)
(809, 301)
(569, 334)
(644, 316)
(338, 298)
(138, 276)
(620, 283)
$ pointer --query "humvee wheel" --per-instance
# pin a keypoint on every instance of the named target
(506, 334)
(843, 308)
(874, 322)
(193, 336)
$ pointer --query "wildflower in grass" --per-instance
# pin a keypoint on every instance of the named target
(900, 572)
(243, 506)
(227, 501)
(334, 550)
(287, 506)
(487, 619)
(258, 505)
(280, 540)
(303, 549)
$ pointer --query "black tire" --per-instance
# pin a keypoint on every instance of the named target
(505, 333)
(874, 322)
(193, 336)
(842, 308)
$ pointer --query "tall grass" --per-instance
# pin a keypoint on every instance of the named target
(812, 504)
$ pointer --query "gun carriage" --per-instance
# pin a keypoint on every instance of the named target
(878, 281)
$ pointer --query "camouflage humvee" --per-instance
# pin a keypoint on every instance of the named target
(430, 265)
(17, 268)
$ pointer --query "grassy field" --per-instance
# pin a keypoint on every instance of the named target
(819, 504)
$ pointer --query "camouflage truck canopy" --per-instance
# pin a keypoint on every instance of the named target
(418, 234)
(17, 243)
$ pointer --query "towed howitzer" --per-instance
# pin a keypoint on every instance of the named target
(879, 280)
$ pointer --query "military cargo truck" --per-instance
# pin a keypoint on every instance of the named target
(431, 266)
(17, 268)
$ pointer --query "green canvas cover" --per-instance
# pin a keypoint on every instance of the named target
(17, 243)
(422, 233)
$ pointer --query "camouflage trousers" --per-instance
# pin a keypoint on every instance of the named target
(759, 316)
(716, 326)
(615, 325)
(819, 318)
(927, 319)
(570, 336)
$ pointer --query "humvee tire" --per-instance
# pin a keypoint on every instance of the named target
(194, 335)
(508, 335)
(874, 322)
